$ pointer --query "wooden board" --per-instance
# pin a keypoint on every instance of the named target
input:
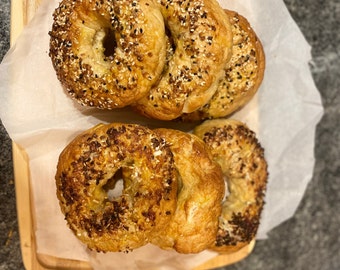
(21, 13)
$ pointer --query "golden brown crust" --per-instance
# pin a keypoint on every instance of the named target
(194, 224)
(202, 38)
(235, 147)
(91, 162)
(107, 54)
(243, 73)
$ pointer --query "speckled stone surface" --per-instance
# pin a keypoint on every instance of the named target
(311, 238)
(10, 255)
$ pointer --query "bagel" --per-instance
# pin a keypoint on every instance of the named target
(235, 147)
(89, 165)
(194, 223)
(107, 54)
(243, 73)
(202, 40)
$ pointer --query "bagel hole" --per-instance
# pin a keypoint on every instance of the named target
(109, 43)
(226, 186)
(115, 185)
(171, 47)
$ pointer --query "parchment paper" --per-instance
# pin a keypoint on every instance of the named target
(39, 116)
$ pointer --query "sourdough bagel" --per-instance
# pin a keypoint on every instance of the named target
(243, 73)
(194, 224)
(91, 163)
(107, 54)
(202, 40)
(235, 147)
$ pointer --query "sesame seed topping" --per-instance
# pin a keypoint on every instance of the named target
(109, 46)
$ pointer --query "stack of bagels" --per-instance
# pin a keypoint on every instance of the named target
(171, 60)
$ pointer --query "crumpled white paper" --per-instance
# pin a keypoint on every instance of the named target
(39, 116)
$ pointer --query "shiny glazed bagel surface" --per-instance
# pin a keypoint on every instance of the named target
(90, 166)
(243, 74)
(107, 54)
(194, 224)
(235, 147)
(201, 33)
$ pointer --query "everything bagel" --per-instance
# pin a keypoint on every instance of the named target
(108, 54)
(243, 73)
(194, 224)
(89, 165)
(235, 147)
(202, 38)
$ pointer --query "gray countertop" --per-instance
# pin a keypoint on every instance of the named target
(311, 238)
